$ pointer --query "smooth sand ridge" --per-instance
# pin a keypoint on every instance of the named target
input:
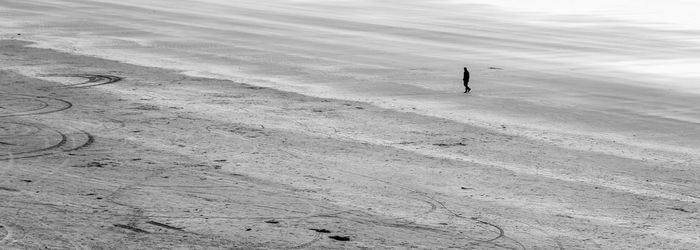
(158, 159)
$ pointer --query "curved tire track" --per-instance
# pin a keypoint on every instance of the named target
(492, 241)
(23, 105)
(311, 210)
(317, 237)
(259, 209)
(28, 140)
(91, 80)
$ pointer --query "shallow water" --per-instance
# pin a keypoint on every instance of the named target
(569, 78)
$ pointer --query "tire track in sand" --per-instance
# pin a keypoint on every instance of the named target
(91, 80)
(27, 140)
(491, 242)
(24, 105)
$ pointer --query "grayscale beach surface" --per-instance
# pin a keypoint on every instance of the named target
(265, 124)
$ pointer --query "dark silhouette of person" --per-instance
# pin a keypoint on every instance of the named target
(466, 81)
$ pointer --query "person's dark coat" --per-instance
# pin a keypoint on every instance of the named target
(466, 81)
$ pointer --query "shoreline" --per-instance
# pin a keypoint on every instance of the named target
(216, 160)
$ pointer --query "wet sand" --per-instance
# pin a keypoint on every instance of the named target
(103, 154)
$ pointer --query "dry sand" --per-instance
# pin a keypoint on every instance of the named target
(99, 154)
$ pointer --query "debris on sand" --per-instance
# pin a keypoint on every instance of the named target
(9, 189)
(450, 144)
(164, 225)
(272, 221)
(138, 230)
(325, 231)
(564, 216)
(679, 209)
(93, 164)
(339, 238)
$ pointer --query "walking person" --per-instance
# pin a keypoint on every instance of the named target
(466, 81)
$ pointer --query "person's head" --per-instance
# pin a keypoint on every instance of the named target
(465, 68)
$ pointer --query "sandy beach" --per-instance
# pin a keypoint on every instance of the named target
(106, 143)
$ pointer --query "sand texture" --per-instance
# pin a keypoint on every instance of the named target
(98, 154)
